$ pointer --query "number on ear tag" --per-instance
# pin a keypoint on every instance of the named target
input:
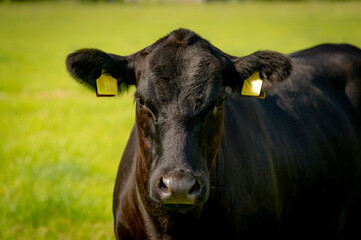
(252, 86)
(107, 86)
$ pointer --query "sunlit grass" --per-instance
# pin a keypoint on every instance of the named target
(60, 146)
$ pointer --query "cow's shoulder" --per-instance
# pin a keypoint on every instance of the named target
(333, 70)
(326, 50)
(329, 60)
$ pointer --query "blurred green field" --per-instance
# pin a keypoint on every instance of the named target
(60, 145)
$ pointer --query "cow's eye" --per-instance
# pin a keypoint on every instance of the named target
(220, 104)
(140, 102)
(146, 108)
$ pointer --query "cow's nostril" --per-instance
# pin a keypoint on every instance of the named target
(161, 185)
(195, 188)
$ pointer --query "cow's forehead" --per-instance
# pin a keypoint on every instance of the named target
(188, 77)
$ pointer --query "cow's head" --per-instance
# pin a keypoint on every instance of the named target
(182, 82)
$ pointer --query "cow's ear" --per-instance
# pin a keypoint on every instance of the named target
(87, 65)
(269, 67)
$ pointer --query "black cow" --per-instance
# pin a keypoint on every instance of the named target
(204, 162)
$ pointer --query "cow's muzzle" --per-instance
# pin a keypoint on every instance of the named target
(179, 187)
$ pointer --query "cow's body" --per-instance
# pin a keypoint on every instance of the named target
(288, 166)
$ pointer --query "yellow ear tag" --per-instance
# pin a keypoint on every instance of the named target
(252, 86)
(107, 86)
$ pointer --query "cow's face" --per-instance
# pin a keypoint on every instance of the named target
(180, 97)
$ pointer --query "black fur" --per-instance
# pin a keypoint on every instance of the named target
(203, 162)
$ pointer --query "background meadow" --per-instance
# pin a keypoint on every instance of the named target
(60, 146)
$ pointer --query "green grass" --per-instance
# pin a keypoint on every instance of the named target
(60, 145)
